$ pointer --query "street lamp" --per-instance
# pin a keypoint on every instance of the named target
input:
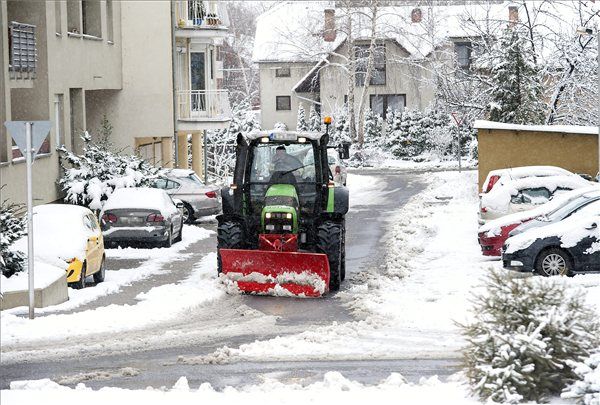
(584, 31)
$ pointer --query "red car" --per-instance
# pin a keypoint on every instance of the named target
(493, 234)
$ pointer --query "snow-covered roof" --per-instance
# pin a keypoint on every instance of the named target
(266, 134)
(292, 31)
(565, 129)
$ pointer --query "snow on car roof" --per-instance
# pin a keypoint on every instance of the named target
(526, 171)
(498, 198)
(493, 227)
(142, 198)
(570, 231)
(179, 172)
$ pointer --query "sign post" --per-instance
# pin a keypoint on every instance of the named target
(29, 136)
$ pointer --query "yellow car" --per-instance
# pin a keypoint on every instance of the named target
(69, 236)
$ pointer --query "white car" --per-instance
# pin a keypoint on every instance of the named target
(523, 194)
(501, 176)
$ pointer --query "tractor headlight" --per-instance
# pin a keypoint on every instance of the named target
(268, 215)
(288, 215)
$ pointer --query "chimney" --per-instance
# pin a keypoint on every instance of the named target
(329, 32)
(513, 15)
(416, 15)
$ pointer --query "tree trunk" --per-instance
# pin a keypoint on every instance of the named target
(367, 82)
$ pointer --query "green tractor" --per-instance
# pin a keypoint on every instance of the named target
(282, 231)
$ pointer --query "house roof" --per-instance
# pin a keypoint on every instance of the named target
(292, 31)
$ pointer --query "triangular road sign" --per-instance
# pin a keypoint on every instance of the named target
(39, 132)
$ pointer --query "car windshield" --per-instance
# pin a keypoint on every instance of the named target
(535, 195)
(296, 160)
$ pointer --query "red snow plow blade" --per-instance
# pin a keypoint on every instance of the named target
(274, 270)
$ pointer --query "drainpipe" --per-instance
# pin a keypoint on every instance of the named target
(173, 78)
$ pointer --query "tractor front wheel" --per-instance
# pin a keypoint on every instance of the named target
(329, 241)
(230, 235)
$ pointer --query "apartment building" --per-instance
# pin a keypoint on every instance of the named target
(152, 68)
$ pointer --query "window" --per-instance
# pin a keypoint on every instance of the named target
(463, 54)
(282, 72)
(74, 17)
(283, 103)
(90, 17)
(22, 53)
(59, 119)
(109, 21)
(362, 62)
(58, 16)
(382, 103)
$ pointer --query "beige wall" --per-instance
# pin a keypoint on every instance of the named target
(271, 86)
(500, 149)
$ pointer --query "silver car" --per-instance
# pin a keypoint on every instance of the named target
(199, 199)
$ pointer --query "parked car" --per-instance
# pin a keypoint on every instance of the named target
(563, 248)
(69, 237)
(494, 233)
(199, 199)
(501, 176)
(146, 215)
(523, 194)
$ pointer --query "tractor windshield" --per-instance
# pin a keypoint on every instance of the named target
(276, 163)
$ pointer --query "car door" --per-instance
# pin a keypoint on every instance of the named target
(95, 245)
(587, 251)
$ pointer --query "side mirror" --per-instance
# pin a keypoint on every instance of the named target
(592, 226)
(178, 203)
(344, 150)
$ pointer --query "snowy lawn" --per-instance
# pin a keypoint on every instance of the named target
(410, 306)
(18, 329)
(333, 389)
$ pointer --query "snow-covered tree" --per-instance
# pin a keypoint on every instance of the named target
(301, 124)
(340, 128)
(586, 389)
(373, 129)
(523, 337)
(12, 228)
(280, 126)
(516, 81)
(91, 177)
(314, 123)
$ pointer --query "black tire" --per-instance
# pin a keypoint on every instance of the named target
(188, 213)
(180, 235)
(80, 284)
(99, 275)
(169, 242)
(230, 235)
(553, 262)
(343, 260)
(329, 241)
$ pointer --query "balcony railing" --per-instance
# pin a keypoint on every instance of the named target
(198, 14)
(22, 52)
(200, 105)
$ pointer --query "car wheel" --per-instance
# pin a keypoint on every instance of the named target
(169, 242)
(553, 262)
(188, 213)
(99, 275)
(80, 284)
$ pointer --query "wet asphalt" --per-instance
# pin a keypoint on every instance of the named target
(366, 228)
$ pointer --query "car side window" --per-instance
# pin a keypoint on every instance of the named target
(591, 208)
(172, 185)
(87, 222)
(160, 183)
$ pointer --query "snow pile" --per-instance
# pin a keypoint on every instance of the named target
(587, 388)
(164, 302)
(498, 199)
(570, 231)
(334, 388)
(44, 275)
(140, 198)
(305, 278)
(524, 336)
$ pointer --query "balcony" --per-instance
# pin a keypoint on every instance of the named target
(200, 18)
(202, 109)
(22, 53)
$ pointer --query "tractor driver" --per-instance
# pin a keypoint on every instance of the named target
(283, 162)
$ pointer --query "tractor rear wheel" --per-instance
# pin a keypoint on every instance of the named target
(343, 263)
(230, 235)
(329, 241)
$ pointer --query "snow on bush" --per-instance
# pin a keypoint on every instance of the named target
(586, 390)
(301, 124)
(12, 228)
(524, 336)
(91, 177)
(314, 120)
